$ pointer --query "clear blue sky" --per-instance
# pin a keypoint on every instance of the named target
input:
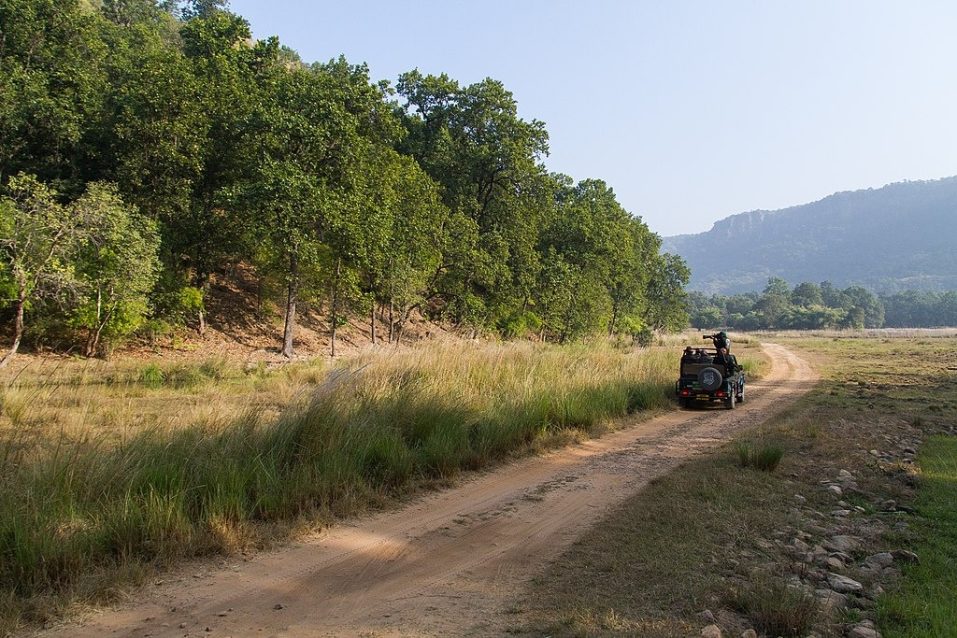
(691, 111)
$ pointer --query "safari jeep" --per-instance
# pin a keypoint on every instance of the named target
(703, 381)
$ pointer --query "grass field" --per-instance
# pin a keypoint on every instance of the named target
(926, 604)
(110, 471)
(747, 555)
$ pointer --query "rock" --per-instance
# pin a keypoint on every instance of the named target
(875, 453)
(711, 631)
(910, 450)
(182, 625)
(843, 584)
(834, 563)
(799, 498)
(890, 505)
(876, 592)
(800, 545)
(836, 490)
(831, 600)
(842, 544)
(749, 633)
(707, 616)
(863, 630)
(844, 475)
(278, 606)
(905, 556)
(840, 513)
(882, 560)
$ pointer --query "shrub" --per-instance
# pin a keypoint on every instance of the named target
(764, 456)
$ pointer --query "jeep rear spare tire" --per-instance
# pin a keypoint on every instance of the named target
(710, 379)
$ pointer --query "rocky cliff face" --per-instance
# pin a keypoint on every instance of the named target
(900, 236)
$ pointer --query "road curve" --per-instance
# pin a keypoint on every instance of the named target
(451, 562)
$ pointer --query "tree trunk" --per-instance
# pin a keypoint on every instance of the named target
(373, 322)
(292, 294)
(335, 305)
(391, 319)
(17, 330)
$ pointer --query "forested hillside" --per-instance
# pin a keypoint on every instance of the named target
(146, 147)
(891, 239)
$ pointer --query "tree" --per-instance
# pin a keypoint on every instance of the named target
(667, 309)
(117, 267)
(51, 88)
(487, 159)
(38, 238)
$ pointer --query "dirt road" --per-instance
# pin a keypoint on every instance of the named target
(450, 563)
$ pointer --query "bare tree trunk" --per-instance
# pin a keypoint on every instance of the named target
(391, 319)
(292, 294)
(335, 305)
(17, 330)
(373, 323)
(203, 290)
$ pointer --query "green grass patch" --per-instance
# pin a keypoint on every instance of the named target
(926, 605)
(761, 456)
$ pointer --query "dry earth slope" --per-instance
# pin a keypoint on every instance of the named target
(450, 563)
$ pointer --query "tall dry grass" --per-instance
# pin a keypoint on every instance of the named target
(103, 489)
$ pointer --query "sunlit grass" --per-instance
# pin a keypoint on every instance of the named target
(160, 461)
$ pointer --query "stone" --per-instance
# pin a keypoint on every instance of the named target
(278, 606)
(799, 498)
(707, 616)
(863, 630)
(905, 556)
(711, 631)
(834, 563)
(836, 490)
(842, 544)
(882, 560)
(875, 453)
(831, 600)
(890, 505)
(843, 584)
(840, 513)
(844, 475)
(749, 633)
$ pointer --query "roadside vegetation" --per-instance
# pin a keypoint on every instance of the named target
(107, 476)
(925, 605)
(762, 550)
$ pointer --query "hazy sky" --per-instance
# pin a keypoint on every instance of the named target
(691, 111)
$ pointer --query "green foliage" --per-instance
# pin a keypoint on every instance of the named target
(228, 150)
(761, 456)
(117, 267)
(807, 307)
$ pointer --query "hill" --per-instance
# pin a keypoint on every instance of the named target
(901, 236)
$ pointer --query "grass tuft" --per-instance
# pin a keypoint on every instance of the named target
(775, 608)
(761, 456)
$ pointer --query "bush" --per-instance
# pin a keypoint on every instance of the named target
(764, 457)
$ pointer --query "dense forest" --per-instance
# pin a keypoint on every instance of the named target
(810, 306)
(146, 147)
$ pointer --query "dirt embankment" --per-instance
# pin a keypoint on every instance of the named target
(450, 563)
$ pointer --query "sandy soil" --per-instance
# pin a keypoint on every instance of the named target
(451, 563)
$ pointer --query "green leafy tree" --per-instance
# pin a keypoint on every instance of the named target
(38, 241)
(52, 84)
(487, 159)
(667, 308)
(117, 267)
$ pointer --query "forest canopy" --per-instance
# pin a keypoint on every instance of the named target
(147, 147)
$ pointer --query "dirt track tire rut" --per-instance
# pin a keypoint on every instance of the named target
(450, 562)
